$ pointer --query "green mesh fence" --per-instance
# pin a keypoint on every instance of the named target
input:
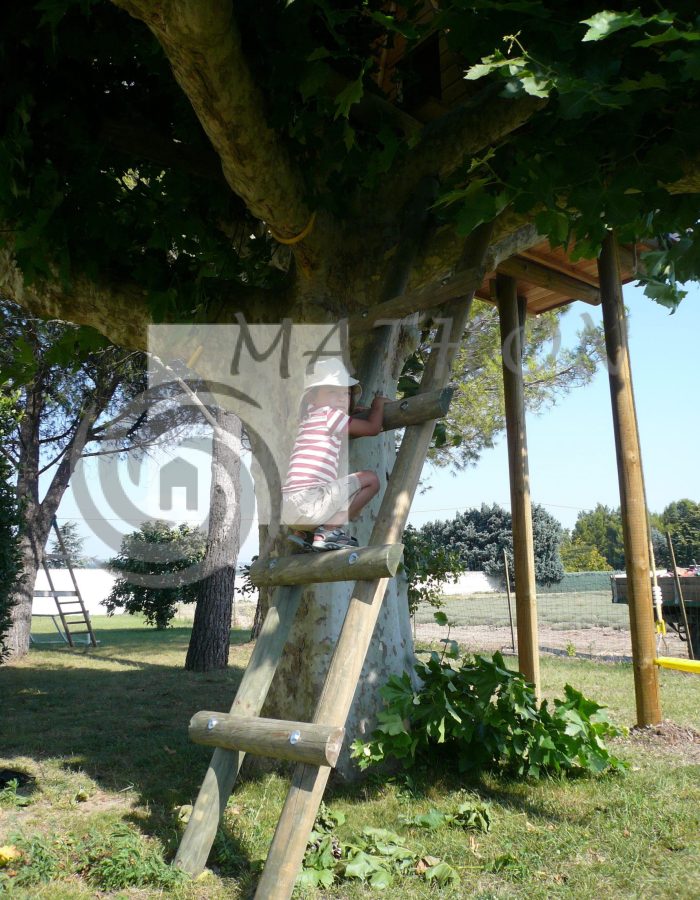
(576, 617)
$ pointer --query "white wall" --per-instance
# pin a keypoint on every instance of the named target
(95, 585)
(473, 583)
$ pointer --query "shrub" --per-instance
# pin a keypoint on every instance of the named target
(479, 536)
(480, 715)
(160, 551)
(427, 568)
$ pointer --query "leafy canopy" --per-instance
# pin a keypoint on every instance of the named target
(105, 170)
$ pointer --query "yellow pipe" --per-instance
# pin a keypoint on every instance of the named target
(683, 665)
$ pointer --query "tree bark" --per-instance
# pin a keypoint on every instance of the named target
(209, 643)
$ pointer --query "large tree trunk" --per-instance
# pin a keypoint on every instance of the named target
(303, 668)
(209, 642)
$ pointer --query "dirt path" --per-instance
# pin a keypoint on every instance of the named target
(597, 642)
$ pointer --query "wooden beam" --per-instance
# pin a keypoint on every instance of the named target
(542, 276)
(225, 764)
(420, 300)
(360, 564)
(556, 265)
(631, 479)
(414, 410)
(300, 742)
(521, 509)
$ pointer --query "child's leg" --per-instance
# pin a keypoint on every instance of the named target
(369, 486)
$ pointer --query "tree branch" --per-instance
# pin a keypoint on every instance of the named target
(203, 44)
(511, 235)
(120, 312)
(448, 142)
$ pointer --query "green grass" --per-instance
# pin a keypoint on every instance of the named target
(104, 734)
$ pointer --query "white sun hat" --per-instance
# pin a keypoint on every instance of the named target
(330, 372)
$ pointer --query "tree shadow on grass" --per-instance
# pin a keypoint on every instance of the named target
(120, 719)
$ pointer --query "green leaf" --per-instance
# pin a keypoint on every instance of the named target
(607, 22)
(671, 34)
(350, 95)
(440, 617)
(443, 874)
(381, 879)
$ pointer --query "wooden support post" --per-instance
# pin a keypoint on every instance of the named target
(632, 504)
(536, 273)
(309, 782)
(318, 568)
(225, 764)
(521, 510)
(300, 742)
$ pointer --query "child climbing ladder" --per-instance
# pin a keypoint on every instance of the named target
(315, 494)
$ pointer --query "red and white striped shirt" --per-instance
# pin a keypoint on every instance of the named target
(316, 452)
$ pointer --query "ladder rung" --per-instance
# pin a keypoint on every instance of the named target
(362, 564)
(302, 742)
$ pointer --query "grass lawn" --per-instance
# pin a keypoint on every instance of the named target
(103, 734)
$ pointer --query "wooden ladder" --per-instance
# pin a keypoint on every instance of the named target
(72, 612)
(315, 746)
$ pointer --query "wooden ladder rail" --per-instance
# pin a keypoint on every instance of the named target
(92, 640)
(226, 764)
(54, 593)
(308, 782)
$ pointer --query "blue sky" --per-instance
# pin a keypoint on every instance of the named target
(571, 447)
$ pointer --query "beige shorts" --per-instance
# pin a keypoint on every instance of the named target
(315, 505)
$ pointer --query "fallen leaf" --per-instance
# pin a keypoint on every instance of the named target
(169, 750)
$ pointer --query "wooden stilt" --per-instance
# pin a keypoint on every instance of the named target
(521, 510)
(632, 503)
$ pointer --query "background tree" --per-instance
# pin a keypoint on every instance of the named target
(477, 414)
(10, 523)
(121, 140)
(682, 519)
(601, 528)
(73, 545)
(155, 554)
(209, 643)
(62, 379)
(479, 536)
(579, 557)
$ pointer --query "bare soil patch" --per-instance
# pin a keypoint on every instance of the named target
(668, 737)
(598, 642)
